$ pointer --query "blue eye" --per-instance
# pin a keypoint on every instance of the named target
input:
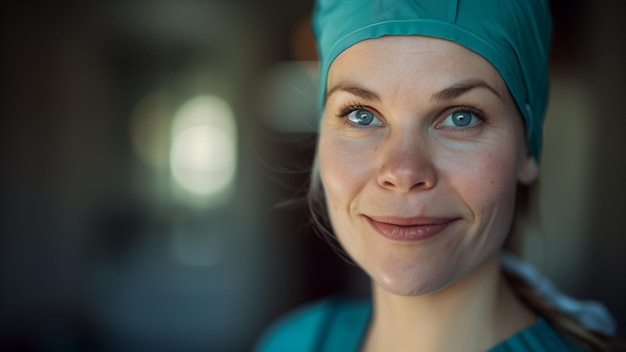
(460, 119)
(364, 118)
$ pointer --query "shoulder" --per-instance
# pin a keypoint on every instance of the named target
(539, 337)
(309, 327)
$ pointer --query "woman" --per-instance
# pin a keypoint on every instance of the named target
(431, 124)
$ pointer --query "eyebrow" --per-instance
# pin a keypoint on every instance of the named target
(461, 88)
(354, 90)
(449, 93)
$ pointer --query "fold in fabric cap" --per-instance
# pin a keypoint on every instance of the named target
(514, 35)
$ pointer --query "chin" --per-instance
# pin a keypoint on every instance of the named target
(413, 280)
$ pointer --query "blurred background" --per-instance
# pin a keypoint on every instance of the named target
(153, 154)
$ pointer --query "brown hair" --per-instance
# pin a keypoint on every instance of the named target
(526, 212)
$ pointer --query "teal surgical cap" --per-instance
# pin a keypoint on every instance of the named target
(514, 35)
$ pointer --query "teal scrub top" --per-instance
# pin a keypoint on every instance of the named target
(340, 325)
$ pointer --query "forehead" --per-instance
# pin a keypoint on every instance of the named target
(412, 60)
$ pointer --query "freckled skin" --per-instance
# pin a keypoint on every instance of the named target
(412, 167)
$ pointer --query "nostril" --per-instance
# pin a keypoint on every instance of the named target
(388, 184)
(407, 180)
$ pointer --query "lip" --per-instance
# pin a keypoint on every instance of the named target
(409, 229)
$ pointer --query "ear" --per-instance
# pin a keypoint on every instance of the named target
(528, 170)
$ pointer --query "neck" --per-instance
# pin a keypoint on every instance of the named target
(474, 313)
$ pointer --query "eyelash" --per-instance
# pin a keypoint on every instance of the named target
(467, 108)
(347, 109)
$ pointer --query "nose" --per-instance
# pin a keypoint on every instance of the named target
(406, 165)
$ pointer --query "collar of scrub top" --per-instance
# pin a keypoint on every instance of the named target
(513, 35)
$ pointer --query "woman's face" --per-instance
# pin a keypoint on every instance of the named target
(421, 149)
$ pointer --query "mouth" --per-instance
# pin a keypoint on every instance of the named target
(409, 229)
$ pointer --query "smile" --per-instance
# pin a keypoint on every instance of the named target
(409, 229)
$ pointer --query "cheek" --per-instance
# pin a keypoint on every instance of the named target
(485, 171)
(345, 167)
(488, 191)
(488, 183)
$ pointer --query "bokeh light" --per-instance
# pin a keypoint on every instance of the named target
(203, 155)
